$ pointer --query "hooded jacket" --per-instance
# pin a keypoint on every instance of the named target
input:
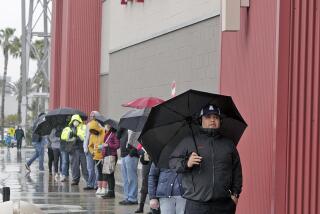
(96, 139)
(219, 173)
(74, 135)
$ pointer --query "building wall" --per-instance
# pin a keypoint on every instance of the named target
(190, 56)
(274, 79)
(248, 75)
(76, 55)
(303, 142)
(136, 22)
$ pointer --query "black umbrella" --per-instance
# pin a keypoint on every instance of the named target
(61, 116)
(171, 121)
(114, 124)
(42, 126)
(134, 119)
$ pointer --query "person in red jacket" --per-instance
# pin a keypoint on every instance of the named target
(111, 144)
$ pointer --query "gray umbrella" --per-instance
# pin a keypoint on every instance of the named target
(134, 119)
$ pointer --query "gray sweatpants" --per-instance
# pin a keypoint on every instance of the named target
(78, 158)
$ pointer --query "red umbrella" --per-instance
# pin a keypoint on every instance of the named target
(144, 102)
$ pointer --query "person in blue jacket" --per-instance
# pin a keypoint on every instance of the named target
(165, 191)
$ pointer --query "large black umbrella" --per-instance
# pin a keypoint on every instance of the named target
(171, 121)
(61, 116)
(42, 126)
(134, 119)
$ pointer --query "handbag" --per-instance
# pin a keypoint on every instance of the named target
(109, 164)
(109, 161)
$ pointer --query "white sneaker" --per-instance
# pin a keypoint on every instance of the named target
(103, 191)
(63, 178)
(98, 191)
(56, 176)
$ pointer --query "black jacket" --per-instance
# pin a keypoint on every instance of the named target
(162, 183)
(220, 171)
(122, 135)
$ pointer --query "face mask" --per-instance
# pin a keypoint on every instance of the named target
(75, 123)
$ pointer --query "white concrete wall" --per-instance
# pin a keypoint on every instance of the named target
(137, 22)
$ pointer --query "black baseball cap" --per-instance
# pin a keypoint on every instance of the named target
(210, 109)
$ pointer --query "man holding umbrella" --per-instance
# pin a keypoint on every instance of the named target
(211, 173)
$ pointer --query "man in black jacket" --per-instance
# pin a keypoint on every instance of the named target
(212, 179)
(129, 164)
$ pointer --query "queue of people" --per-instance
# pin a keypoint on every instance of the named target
(210, 183)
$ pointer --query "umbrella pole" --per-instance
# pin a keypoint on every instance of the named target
(194, 139)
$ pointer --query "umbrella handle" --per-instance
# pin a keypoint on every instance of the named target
(194, 139)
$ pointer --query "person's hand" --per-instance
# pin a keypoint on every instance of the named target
(154, 204)
(234, 199)
(193, 160)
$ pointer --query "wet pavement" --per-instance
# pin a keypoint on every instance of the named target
(45, 192)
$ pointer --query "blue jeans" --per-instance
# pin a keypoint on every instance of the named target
(39, 153)
(129, 170)
(65, 163)
(92, 178)
(173, 205)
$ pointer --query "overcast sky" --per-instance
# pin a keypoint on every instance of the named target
(10, 16)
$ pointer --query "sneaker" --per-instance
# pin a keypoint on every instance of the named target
(88, 188)
(127, 202)
(56, 176)
(75, 183)
(63, 178)
(27, 167)
(110, 194)
(103, 191)
(98, 191)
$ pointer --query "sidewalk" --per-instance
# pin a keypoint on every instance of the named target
(51, 196)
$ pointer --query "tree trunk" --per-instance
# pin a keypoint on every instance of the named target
(6, 58)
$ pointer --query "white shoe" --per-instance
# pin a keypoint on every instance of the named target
(56, 176)
(63, 178)
(98, 191)
(103, 191)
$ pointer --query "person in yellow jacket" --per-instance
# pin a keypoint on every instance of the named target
(97, 133)
(73, 136)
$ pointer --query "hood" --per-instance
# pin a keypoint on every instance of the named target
(94, 125)
(75, 117)
(95, 113)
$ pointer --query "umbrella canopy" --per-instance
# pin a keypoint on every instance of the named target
(171, 121)
(144, 102)
(134, 119)
(43, 126)
(60, 116)
(114, 124)
(100, 118)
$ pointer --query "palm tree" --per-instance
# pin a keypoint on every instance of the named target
(16, 52)
(6, 41)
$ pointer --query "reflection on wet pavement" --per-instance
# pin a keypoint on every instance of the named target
(45, 192)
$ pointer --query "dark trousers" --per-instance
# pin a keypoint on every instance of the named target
(111, 182)
(101, 176)
(57, 160)
(19, 142)
(50, 159)
(224, 206)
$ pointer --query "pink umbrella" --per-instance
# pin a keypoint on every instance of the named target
(144, 102)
